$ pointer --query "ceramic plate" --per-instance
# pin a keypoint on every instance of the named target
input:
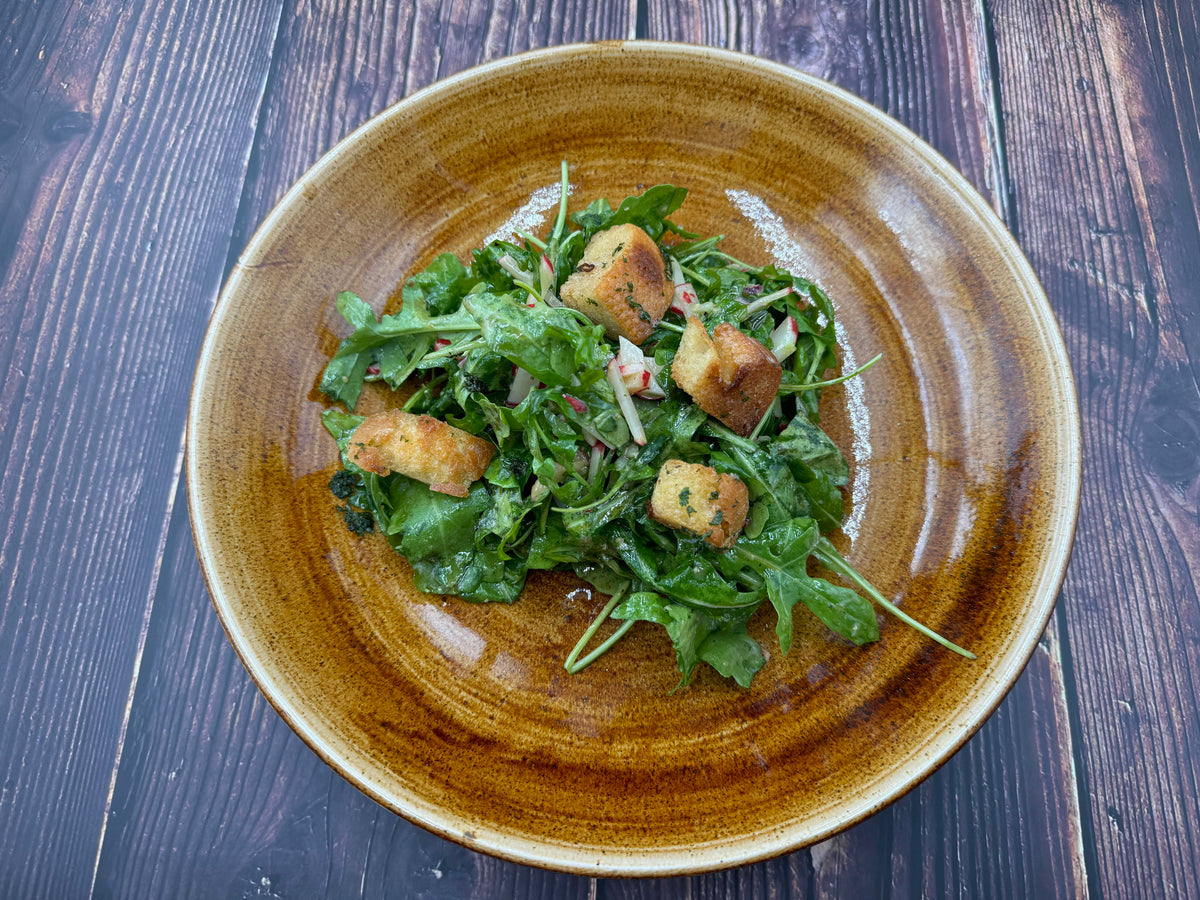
(963, 441)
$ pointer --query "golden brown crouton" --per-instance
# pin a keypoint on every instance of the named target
(701, 500)
(446, 458)
(621, 283)
(730, 375)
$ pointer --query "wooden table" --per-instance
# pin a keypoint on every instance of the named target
(141, 143)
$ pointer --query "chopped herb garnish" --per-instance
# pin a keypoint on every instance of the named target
(358, 521)
(343, 484)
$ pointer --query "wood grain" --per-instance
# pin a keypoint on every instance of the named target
(110, 259)
(1104, 144)
(930, 65)
(270, 817)
(135, 160)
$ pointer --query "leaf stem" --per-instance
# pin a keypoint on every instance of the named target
(564, 188)
(798, 388)
(457, 349)
(591, 505)
(540, 244)
(693, 275)
(829, 557)
(573, 663)
(419, 394)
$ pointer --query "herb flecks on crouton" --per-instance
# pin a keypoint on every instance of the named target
(701, 500)
(446, 458)
(730, 375)
(621, 283)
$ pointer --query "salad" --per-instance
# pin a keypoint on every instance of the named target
(621, 399)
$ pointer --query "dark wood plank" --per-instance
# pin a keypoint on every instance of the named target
(123, 135)
(218, 798)
(215, 794)
(1104, 142)
(1001, 818)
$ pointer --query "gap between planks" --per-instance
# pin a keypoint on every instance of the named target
(1054, 642)
(172, 496)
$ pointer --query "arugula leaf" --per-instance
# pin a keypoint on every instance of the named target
(567, 489)
(340, 425)
(802, 441)
(648, 211)
(550, 344)
(718, 638)
(781, 555)
(399, 341)
(440, 287)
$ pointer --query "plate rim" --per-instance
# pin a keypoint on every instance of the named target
(783, 838)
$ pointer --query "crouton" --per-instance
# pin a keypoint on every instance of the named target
(701, 500)
(446, 458)
(730, 375)
(621, 283)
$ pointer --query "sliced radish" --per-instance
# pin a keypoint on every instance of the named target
(633, 377)
(576, 404)
(440, 343)
(685, 294)
(519, 275)
(677, 272)
(638, 370)
(652, 390)
(625, 402)
(521, 386)
(594, 461)
(628, 352)
(783, 339)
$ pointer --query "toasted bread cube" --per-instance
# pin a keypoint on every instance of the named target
(730, 375)
(701, 500)
(621, 283)
(446, 458)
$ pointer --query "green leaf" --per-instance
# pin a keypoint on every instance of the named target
(550, 344)
(648, 211)
(804, 442)
(718, 638)
(399, 340)
(780, 554)
(341, 425)
(845, 612)
(436, 524)
(733, 653)
(440, 287)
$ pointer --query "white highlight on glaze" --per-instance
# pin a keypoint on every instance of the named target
(530, 215)
(788, 254)
(452, 637)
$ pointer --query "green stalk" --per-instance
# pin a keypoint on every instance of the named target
(420, 393)
(573, 663)
(797, 388)
(540, 244)
(574, 509)
(769, 414)
(828, 556)
(561, 222)
(695, 276)
(457, 349)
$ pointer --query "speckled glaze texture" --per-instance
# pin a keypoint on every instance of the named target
(963, 442)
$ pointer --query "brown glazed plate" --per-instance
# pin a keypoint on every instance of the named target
(963, 440)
